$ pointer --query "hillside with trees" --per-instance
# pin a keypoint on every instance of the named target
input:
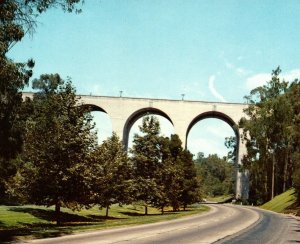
(271, 131)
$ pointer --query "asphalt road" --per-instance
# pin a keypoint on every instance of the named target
(223, 224)
(271, 228)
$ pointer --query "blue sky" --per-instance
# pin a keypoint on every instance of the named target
(209, 50)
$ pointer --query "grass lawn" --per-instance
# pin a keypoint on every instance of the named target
(282, 203)
(30, 221)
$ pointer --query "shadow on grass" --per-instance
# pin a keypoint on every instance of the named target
(39, 231)
(46, 230)
(2, 224)
(49, 215)
(100, 217)
(134, 214)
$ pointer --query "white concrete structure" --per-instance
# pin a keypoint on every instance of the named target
(125, 111)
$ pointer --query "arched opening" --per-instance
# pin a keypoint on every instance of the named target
(207, 132)
(103, 125)
(133, 122)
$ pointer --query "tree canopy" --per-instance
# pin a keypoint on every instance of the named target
(17, 18)
(164, 172)
(270, 133)
(216, 175)
(112, 177)
(57, 146)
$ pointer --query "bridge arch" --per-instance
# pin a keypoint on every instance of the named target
(102, 121)
(137, 115)
(93, 108)
(217, 115)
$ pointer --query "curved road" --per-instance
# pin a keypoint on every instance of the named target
(223, 224)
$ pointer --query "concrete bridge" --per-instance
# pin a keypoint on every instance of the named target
(183, 115)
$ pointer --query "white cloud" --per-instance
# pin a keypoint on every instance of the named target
(291, 75)
(212, 89)
(262, 78)
(257, 80)
(240, 71)
(207, 146)
(220, 131)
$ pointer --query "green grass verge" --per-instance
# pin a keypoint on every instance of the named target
(281, 203)
(30, 221)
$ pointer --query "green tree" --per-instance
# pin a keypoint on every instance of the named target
(13, 78)
(16, 19)
(146, 159)
(216, 175)
(293, 95)
(267, 138)
(170, 174)
(231, 143)
(177, 176)
(191, 190)
(57, 148)
(112, 176)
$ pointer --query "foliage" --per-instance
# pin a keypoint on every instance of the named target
(165, 173)
(191, 185)
(231, 143)
(57, 147)
(146, 159)
(13, 78)
(271, 131)
(112, 174)
(294, 136)
(216, 175)
(16, 19)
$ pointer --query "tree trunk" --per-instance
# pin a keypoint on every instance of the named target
(184, 207)
(273, 175)
(146, 210)
(57, 213)
(286, 160)
(106, 215)
(162, 210)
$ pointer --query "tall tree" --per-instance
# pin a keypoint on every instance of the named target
(293, 96)
(266, 135)
(191, 191)
(57, 148)
(146, 158)
(16, 19)
(170, 175)
(112, 176)
(176, 178)
(13, 78)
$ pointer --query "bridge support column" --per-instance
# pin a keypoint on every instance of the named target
(242, 176)
(180, 129)
(118, 127)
